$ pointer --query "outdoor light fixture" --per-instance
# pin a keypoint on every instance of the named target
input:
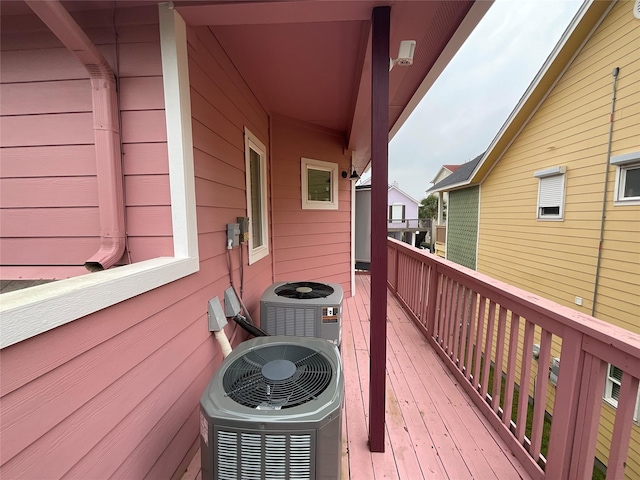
(405, 54)
(354, 175)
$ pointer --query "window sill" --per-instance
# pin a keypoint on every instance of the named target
(625, 203)
(32, 311)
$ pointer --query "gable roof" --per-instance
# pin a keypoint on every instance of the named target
(395, 187)
(462, 174)
(581, 28)
(452, 168)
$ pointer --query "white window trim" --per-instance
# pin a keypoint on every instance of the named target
(307, 204)
(613, 402)
(393, 219)
(32, 311)
(623, 163)
(252, 142)
(550, 172)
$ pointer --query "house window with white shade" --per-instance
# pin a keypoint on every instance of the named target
(612, 389)
(551, 188)
(396, 213)
(627, 187)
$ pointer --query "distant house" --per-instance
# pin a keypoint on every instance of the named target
(402, 220)
(456, 236)
(558, 191)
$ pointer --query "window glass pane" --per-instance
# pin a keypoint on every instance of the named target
(632, 183)
(615, 373)
(615, 391)
(319, 185)
(544, 211)
(256, 198)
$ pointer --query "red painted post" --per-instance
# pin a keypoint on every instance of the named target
(380, 25)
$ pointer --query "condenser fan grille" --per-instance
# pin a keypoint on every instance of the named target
(304, 290)
(277, 376)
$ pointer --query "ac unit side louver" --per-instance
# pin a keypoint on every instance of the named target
(303, 309)
(273, 411)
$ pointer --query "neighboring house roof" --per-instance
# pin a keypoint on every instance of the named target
(367, 186)
(573, 39)
(461, 175)
(444, 171)
(409, 197)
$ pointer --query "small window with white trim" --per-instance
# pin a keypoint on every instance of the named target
(612, 389)
(319, 185)
(255, 155)
(627, 186)
(551, 188)
(396, 213)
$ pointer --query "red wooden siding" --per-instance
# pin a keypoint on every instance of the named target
(49, 201)
(309, 244)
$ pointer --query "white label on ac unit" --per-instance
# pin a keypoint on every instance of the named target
(330, 311)
(204, 429)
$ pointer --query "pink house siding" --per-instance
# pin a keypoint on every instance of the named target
(116, 393)
(48, 184)
(222, 106)
(309, 244)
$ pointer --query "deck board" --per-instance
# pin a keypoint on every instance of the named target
(433, 430)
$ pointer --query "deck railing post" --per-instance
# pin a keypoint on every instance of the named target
(565, 410)
(432, 299)
(396, 270)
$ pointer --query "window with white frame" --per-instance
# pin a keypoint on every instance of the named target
(319, 184)
(612, 389)
(255, 155)
(627, 186)
(551, 188)
(396, 213)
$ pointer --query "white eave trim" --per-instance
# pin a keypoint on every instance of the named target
(32, 311)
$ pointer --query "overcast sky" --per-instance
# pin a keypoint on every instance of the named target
(461, 114)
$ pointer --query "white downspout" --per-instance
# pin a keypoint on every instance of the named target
(106, 129)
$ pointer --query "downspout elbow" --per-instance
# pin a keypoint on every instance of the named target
(111, 249)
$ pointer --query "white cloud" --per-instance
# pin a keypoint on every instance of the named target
(465, 108)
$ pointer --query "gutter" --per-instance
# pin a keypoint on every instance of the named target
(106, 130)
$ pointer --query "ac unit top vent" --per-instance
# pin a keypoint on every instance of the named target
(276, 376)
(304, 290)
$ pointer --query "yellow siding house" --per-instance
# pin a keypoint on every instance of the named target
(559, 208)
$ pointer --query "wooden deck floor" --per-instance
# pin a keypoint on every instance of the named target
(432, 429)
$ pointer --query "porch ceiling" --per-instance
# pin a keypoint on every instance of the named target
(311, 60)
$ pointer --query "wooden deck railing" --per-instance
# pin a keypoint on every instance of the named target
(409, 224)
(480, 325)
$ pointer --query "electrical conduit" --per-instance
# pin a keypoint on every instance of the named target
(105, 126)
(604, 196)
